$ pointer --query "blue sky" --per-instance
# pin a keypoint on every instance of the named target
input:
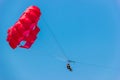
(87, 30)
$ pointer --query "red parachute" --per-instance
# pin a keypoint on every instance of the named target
(25, 29)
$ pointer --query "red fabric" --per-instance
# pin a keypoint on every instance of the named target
(25, 29)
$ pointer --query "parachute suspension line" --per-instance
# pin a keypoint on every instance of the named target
(57, 42)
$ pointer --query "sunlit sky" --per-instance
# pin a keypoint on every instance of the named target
(87, 30)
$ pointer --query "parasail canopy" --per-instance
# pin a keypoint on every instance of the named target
(25, 29)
